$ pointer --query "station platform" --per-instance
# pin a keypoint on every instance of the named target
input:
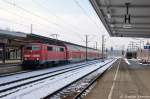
(10, 62)
(10, 66)
(125, 80)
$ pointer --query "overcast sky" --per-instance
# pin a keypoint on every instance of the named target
(70, 19)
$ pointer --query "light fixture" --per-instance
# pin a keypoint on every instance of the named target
(127, 26)
(108, 15)
(114, 31)
(112, 25)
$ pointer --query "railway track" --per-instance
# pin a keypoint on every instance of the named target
(11, 86)
(27, 71)
(78, 96)
(36, 73)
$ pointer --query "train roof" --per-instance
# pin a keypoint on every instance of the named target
(43, 39)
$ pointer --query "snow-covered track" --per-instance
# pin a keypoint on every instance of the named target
(6, 87)
(102, 69)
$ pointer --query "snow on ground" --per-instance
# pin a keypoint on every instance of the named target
(34, 73)
(126, 60)
(45, 87)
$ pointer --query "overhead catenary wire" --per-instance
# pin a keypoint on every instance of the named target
(14, 28)
(55, 15)
(20, 25)
(34, 14)
(23, 17)
(28, 11)
(67, 23)
(85, 12)
(7, 20)
(17, 23)
(18, 14)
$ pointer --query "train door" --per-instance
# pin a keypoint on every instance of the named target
(45, 53)
(66, 53)
(51, 50)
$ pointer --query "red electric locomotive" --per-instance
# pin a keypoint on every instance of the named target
(41, 54)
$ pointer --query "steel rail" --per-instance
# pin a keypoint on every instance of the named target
(47, 97)
(38, 79)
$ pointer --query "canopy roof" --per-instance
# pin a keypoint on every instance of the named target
(112, 13)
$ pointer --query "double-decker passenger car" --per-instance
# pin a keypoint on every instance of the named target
(78, 53)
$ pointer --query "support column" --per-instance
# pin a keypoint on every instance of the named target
(102, 47)
(21, 52)
(4, 53)
(16, 51)
(86, 53)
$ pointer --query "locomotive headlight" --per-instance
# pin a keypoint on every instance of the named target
(37, 58)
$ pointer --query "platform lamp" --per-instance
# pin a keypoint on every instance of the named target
(108, 14)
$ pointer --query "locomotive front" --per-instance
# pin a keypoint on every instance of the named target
(32, 54)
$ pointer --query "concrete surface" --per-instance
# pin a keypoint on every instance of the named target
(10, 68)
(123, 81)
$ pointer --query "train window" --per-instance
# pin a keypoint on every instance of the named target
(61, 49)
(50, 48)
(33, 47)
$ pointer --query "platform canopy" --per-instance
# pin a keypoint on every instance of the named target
(11, 34)
(124, 18)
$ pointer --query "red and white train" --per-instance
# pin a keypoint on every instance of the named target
(36, 54)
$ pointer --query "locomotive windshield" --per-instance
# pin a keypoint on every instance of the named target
(33, 47)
